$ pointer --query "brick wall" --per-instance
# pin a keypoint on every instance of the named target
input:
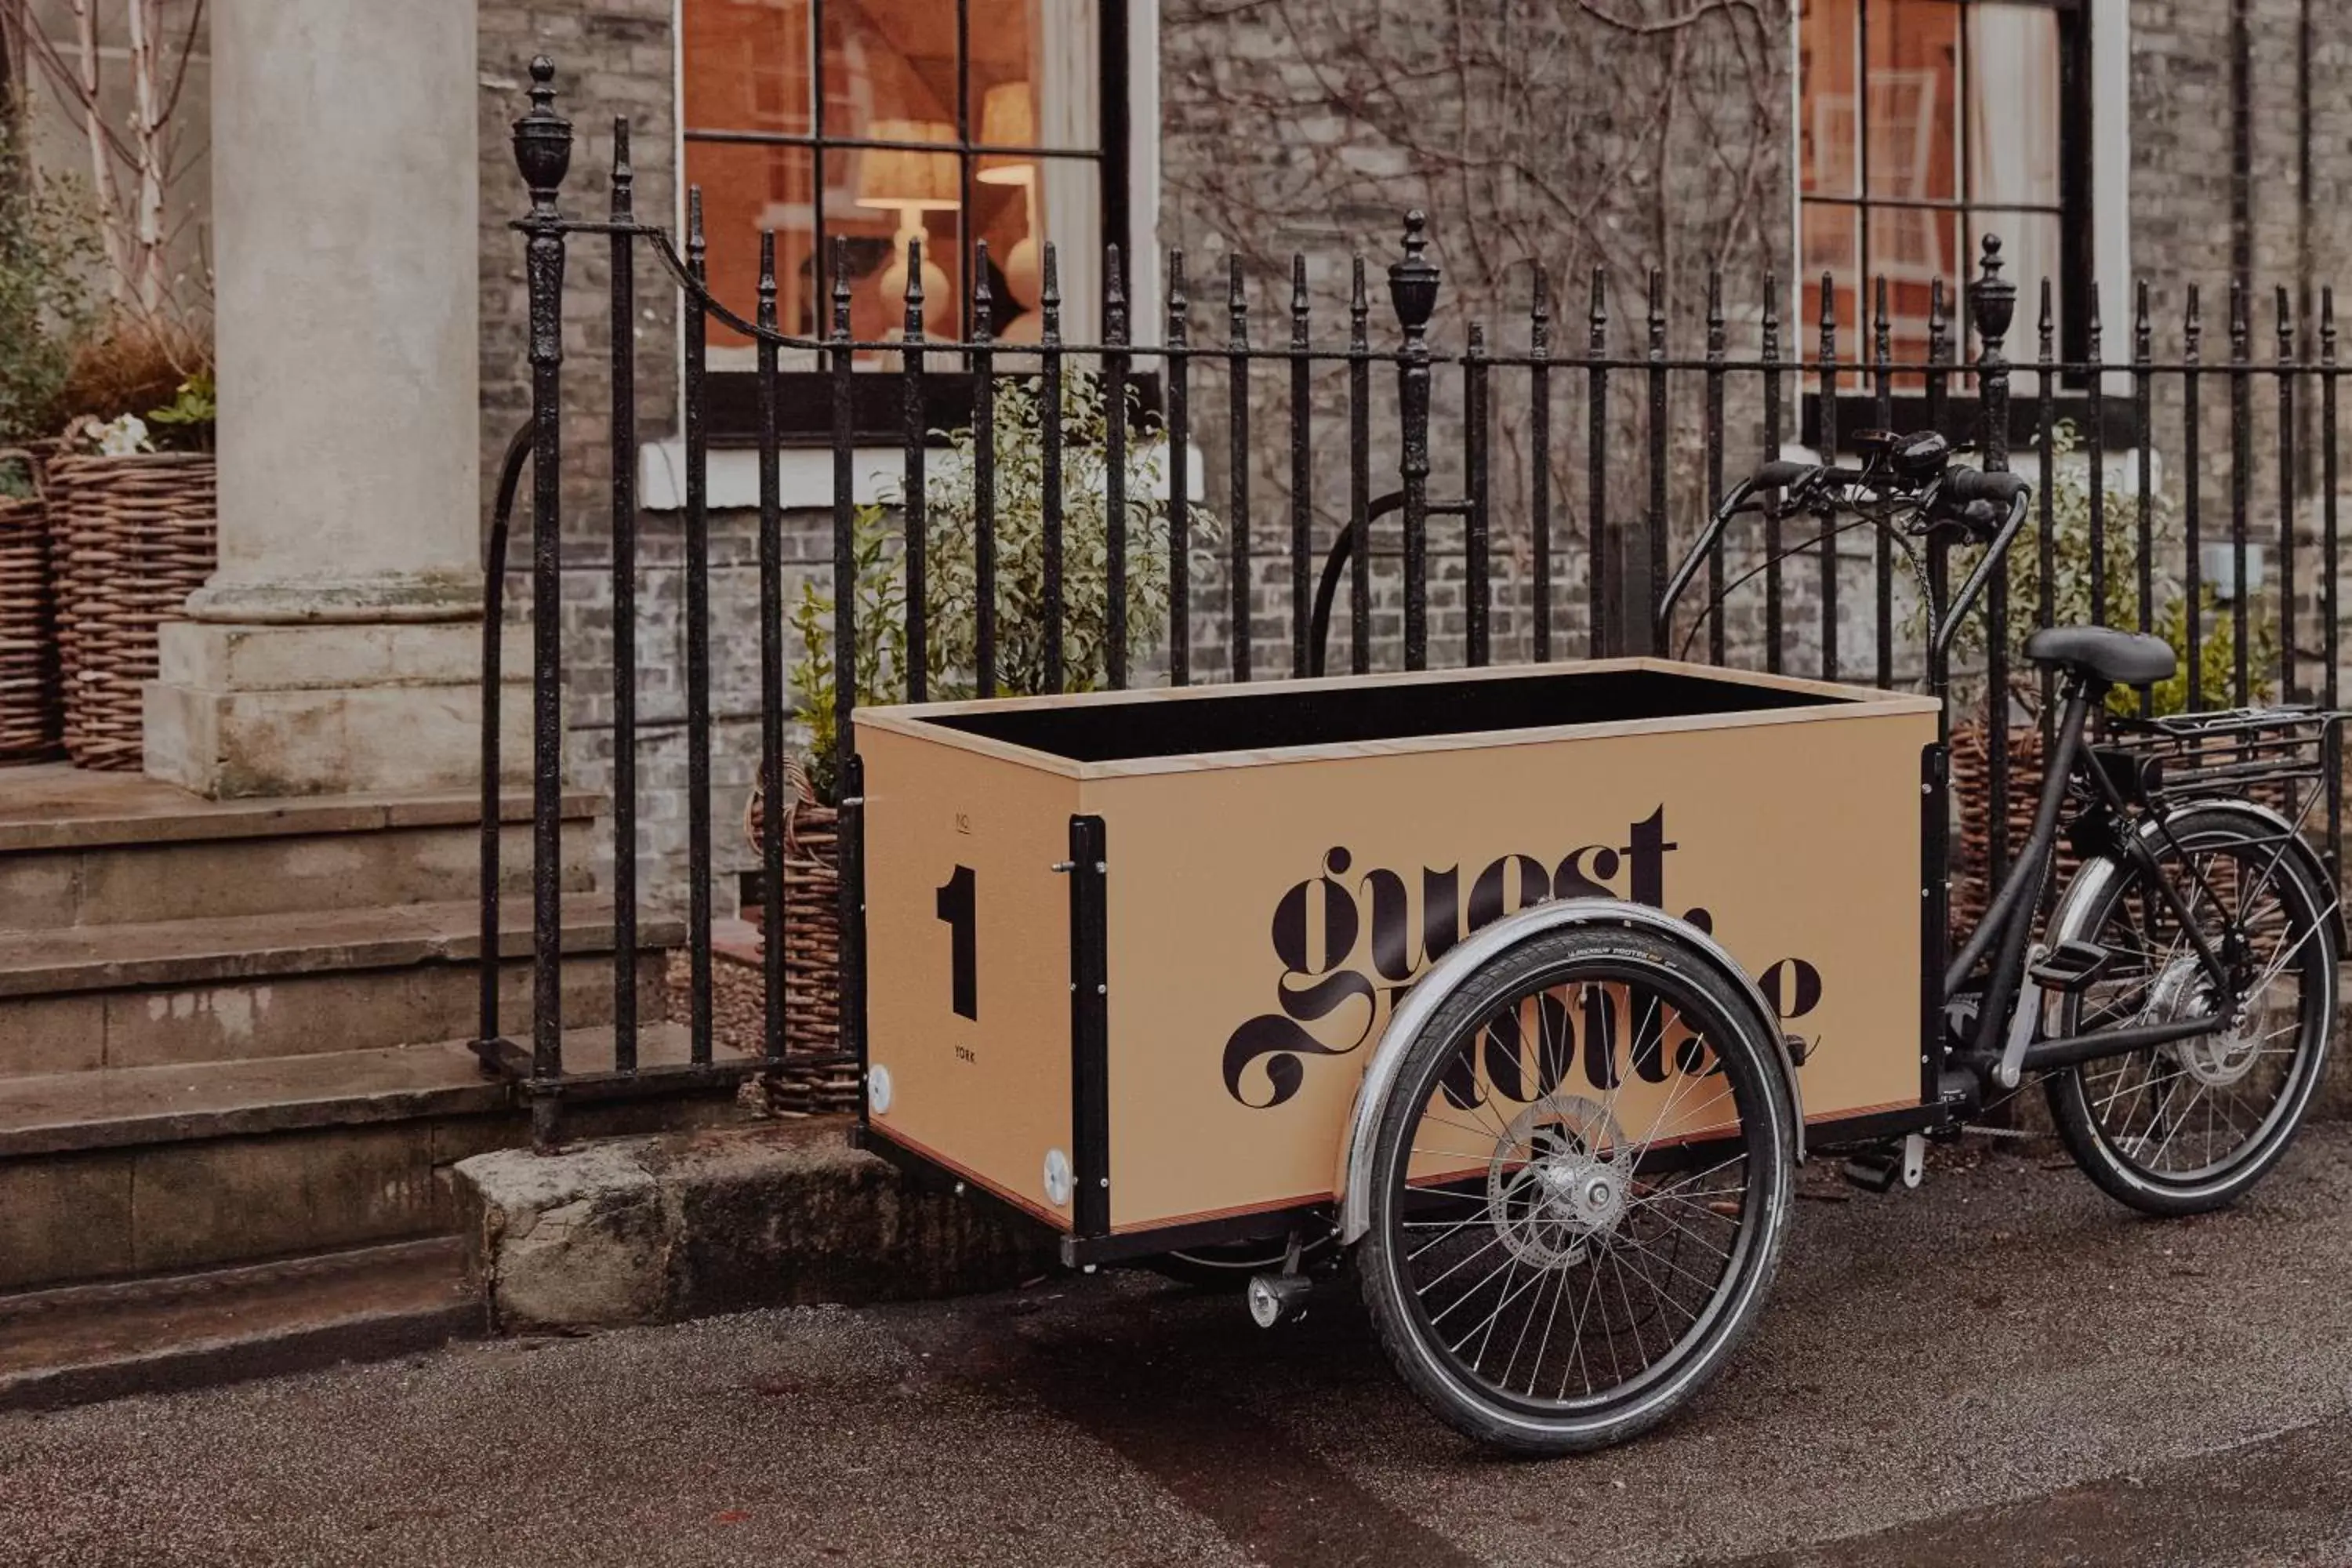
(1674, 166)
(1527, 130)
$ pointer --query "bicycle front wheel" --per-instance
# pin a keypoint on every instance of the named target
(2188, 1127)
(1580, 1186)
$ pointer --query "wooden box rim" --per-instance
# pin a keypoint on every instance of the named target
(918, 720)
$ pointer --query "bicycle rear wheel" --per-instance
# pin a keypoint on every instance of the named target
(2188, 1127)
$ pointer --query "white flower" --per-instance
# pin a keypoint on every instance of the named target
(124, 436)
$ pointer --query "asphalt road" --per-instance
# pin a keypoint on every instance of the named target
(2001, 1368)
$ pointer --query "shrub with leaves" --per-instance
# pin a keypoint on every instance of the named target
(2072, 583)
(951, 532)
(951, 504)
(48, 248)
(880, 632)
(15, 477)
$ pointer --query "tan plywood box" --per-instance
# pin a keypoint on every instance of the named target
(1282, 860)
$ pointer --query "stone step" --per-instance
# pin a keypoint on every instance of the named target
(131, 1171)
(77, 1343)
(256, 986)
(112, 1107)
(85, 849)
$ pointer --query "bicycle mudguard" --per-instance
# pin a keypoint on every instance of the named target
(2098, 869)
(1450, 973)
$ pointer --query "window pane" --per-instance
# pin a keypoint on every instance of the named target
(1832, 244)
(877, 200)
(1911, 248)
(890, 60)
(1913, 69)
(747, 189)
(2013, 108)
(1036, 73)
(747, 65)
(1825, 49)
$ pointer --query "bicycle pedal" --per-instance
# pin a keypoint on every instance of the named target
(2071, 966)
(1875, 1171)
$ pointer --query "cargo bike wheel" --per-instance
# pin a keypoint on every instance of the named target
(1580, 1187)
(2188, 1127)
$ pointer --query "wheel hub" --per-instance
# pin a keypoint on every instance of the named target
(1559, 1180)
(2216, 1061)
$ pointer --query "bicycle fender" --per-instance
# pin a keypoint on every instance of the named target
(2100, 870)
(1449, 973)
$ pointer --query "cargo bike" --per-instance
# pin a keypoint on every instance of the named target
(1523, 992)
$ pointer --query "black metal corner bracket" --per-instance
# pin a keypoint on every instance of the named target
(1089, 1028)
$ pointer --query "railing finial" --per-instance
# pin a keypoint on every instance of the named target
(1412, 282)
(542, 140)
(1993, 299)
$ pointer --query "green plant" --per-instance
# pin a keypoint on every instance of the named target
(2217, 657)
(48, 248)
(15, 478)
(880, 632)
(951, 530)
(951, 504)
(188, 419)
(2072, 600)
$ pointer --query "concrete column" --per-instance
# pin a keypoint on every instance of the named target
(337, 645)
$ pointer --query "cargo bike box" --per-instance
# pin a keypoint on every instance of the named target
(1523, 991)
(1131, 952)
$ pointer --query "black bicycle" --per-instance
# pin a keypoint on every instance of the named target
(2180, 999)
(2176, 998)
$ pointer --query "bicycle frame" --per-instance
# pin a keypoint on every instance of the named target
(2000, 1046)
(2010, 1004)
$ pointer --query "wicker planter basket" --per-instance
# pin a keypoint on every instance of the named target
(32, 714)
(1972, 803)
(818, 1076)
(133, 536)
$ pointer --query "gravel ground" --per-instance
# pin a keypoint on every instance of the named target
(2001, 1367)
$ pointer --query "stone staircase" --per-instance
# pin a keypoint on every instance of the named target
(235, 1031)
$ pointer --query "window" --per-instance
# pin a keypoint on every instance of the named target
(1925, 124)
(878, 121)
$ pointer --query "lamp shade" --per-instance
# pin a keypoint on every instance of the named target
(1008, 118)
(905, 179)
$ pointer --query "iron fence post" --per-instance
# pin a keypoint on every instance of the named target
(1768, 354)
(543, 152)
(771, 677)
(1642, 601)
(622, 325)
(1992, 305)
(700, 977)
(1412, 294)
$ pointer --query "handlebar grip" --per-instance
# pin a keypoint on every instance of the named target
(1779, 476)
(1962, 487)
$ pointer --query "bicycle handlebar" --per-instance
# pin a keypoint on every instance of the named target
(1970, 498)
(1962, 486)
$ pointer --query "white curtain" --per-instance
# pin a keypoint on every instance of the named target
(2013, 146)
(1069, 190)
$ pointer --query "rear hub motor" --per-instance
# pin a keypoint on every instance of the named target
(1559, 1182)
(2216, 1061)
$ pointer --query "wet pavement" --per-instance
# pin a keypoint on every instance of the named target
(2002, 1367)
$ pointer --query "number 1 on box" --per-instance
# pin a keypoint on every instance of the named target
(956, 907)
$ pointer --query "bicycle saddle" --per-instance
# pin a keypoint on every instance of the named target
(2103, 653)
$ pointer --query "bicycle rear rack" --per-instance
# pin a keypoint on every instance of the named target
(2229, 751)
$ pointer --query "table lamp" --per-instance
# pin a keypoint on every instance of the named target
(1008, 118)
(911, 183)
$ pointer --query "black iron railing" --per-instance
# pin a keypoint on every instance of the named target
(1822, 599)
